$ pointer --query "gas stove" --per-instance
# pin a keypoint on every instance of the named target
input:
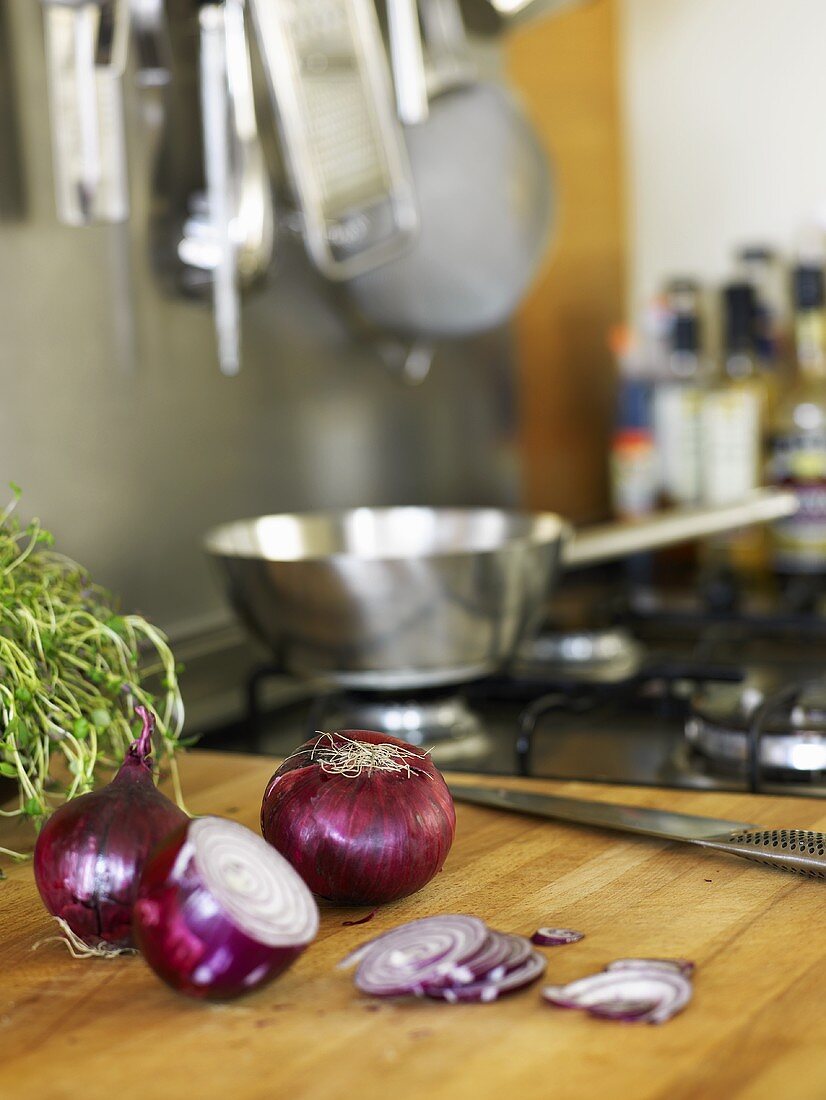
(644, 689)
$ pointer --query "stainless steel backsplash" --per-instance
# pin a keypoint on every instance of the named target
(127, 441)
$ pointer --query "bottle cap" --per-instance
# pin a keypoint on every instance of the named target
(685, 333)
(756, 253)
(740, 306)
(807, 284)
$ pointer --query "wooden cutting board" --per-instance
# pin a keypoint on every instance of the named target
(756, 1028)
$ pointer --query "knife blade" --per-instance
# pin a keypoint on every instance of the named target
(798, 850)
(608, 815)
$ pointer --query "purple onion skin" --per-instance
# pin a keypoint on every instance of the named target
(362, 840)
(188, 940)
(91, 851)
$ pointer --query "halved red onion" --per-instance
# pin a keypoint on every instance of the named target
(220, 912)
(422, 952)
(645, 994)
(492, 987)
(556, 937)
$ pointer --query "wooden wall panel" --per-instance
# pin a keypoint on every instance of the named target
(566, 70)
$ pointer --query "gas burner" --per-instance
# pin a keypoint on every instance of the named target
(761, 724)
(583, 656)
(442, 723)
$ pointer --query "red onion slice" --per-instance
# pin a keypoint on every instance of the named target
(422, 952)
(650, 994)
(682, 966)
(502, 953)
(628, 1011)
(453, 958)
(556, 937)
(490, 988)
(219, 911)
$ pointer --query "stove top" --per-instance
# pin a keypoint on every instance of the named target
(664, 693)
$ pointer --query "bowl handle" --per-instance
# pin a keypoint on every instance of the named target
(617, 540)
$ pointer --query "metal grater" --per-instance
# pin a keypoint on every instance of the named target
(328, 78)
(85, 58)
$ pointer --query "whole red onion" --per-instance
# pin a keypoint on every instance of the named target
(219, 912)
(91, 851)
(363, 817)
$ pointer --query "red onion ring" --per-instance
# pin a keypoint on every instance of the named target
(220, 912)
(421, 953)
(502, 953)
(642, 994)
(556, 937)
(684, 966)
(490, 988)
(453, 958)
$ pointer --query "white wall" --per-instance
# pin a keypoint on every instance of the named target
(725, 114)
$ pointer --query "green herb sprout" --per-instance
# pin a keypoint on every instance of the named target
(72, 671)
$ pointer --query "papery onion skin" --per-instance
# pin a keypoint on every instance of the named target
(366, 839)
(91, 851)
(189, 940)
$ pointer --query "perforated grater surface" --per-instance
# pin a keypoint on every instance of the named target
(328, 77)
(786, 849)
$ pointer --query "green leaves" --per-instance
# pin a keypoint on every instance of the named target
(101, 718)
(70, 662)
(19, 732)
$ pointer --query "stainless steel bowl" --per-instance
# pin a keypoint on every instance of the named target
(390, 598)
(407, 598)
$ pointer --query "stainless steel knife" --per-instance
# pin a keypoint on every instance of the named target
(798, 850)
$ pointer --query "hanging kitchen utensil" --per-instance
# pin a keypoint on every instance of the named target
(12, 177)
(798, 850)
(407, 61)
(408, 598)
(482, 183)
(519, 11)
(326, 69)
(226, 301)
(230, 234)
(85, 59)
(153, 59)
(448, 48)
(252, 221)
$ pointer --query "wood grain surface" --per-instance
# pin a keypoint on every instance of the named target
(755, 1030)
